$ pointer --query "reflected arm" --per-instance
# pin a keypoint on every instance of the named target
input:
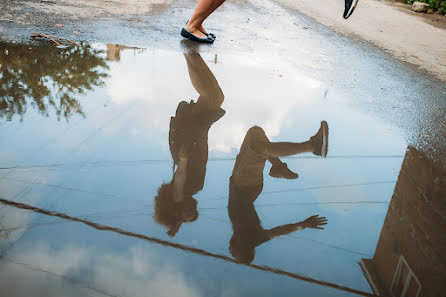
(284, 230)
(314, 222)
(179, 177)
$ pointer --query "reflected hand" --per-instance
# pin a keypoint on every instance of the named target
(315, 222)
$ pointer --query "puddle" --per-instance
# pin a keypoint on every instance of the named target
(126, 171)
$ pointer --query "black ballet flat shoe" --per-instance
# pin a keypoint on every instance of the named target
(211, 35)
(188, 35)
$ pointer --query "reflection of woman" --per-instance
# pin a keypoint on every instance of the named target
(188, 142)
(247, 182)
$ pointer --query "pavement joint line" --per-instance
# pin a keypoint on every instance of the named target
(71, 280)
(105, 215)
(184, 247)
(130, 162)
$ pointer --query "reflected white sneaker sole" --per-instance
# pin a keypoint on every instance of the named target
(324, 148)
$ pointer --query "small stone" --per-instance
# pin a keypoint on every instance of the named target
(420, 6)
(60, 25)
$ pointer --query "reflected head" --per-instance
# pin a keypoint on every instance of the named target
(171, 213)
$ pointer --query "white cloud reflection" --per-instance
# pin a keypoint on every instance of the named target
(76, 271)
(257, 92)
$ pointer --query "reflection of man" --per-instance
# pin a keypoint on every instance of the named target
(188, 142)
(247, 182)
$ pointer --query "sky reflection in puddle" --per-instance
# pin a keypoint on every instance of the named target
(99, 150)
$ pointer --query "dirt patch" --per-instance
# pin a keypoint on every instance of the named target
(411, 37)
(79, 9)
(434, 19)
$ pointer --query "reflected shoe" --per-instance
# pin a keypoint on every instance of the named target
(188, 35)
(320, 140)
(282, 171)
(349, 7)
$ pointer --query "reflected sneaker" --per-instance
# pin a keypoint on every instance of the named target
(282, 171)
(320, 140)
(349, 7)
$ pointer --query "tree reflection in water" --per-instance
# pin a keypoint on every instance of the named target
(47, 77)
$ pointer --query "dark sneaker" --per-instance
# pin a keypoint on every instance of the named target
(349, 7)
(320, 140)
(282, 171)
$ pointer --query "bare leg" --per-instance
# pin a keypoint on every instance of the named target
(211, 95)
(283, 149)
(280, 169)
(216, 5)
(203, 9)
(275, 161)
(257, 140)
(317, 144)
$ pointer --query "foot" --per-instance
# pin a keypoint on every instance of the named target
(196, 35)
(203, 30)
(320, 140)
(349, 7)
(282, 171)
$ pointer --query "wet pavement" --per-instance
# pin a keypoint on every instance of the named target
(122, 170)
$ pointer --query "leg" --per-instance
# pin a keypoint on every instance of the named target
(203, 9)
(284, 149)
(275, 150)
(275, 161)
(280, 169)
(217, 4)
(257, 140)
(211, 95)
(318, 144)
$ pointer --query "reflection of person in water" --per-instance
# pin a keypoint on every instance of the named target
(247, 182)
(188, 142)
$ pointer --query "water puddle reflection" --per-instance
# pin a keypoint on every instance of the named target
(126, 171)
